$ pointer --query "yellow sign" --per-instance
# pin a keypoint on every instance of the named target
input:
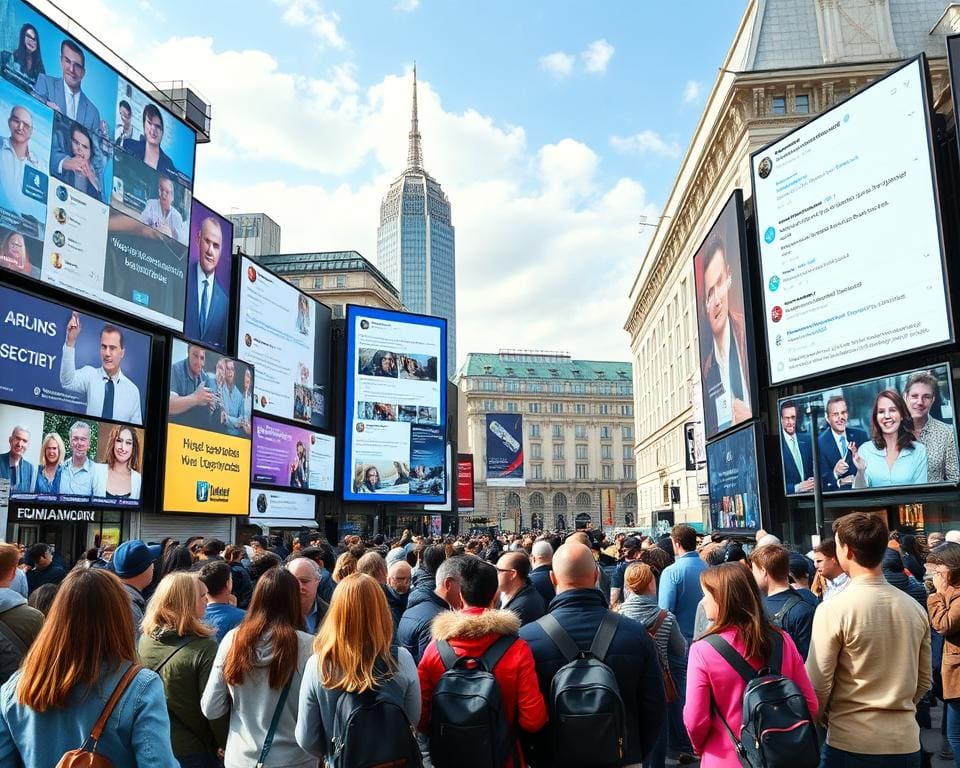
(206, 472)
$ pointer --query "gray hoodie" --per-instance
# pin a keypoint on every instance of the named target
(251, 706)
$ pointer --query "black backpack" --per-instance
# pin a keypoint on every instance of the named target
(371, 730)
(779, 616)
(586, 708)
(777, 730)
(468, 727)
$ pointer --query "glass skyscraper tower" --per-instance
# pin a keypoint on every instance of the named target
(415, 241)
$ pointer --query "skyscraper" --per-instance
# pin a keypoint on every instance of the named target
(415, 241)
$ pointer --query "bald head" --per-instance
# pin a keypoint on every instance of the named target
(574, 567)
(541, 552)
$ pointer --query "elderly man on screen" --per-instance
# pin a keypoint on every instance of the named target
(13, 466)
(15, 153)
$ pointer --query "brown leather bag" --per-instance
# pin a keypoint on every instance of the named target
(87, 756)
(669, 684)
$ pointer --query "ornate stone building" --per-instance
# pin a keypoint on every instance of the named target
(789, 60)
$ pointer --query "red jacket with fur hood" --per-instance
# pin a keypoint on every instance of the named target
(471, 632)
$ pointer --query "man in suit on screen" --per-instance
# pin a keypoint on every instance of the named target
(207, 304)
(796, 451)
(837, 470)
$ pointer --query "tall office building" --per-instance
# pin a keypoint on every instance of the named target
(256, 234)
(415, 241)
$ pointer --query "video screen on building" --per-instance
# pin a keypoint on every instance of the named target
(727, 368)
(52, 356)
(465, 482)
(292, 457)
(97, 179)
(734, 481)
(209, 428)
(69, 459)
(396, 399)
(286, 334)
(893, 431)
(844, 281)
(505, 449)
(209, 278)
(282, 509)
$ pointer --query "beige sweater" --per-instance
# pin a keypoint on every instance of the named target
(869, 663)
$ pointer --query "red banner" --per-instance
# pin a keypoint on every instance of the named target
(464, 482)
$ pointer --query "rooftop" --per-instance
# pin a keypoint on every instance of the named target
(544, 365)
(324, 261)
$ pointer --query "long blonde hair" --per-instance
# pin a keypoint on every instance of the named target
(355, 635)
(173, 607)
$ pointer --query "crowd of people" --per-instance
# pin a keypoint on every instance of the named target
(483, 650)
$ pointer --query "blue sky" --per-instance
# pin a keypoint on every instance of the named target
(553, 126)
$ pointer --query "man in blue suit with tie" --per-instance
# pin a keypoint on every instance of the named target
(207, 303)
(837, 470)
(796, 451)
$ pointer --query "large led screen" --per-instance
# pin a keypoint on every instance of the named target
(209, 426)
(727, 366)
(734, 481)
(209, 278)
(292, 457)
(280, 509)
(465, 482)
(96, 177)
(896, 430)
(396, 405)
(849, 233)
(69, 459)
(505, 449)
(286, 335)
(54, 357)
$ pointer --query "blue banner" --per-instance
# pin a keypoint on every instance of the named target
(504, 449)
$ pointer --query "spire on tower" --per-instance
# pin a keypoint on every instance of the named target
(414, 151)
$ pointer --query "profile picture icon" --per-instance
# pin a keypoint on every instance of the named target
(56, 260)
(766, 165)
(261, 503)
(776, 314)
(62, 193)
(263, 401)
(313, 439)
(769, 235)
(59, 239)
(360, 426)
(60, 215)
(251, 274)
(364, 324)
(248, 339)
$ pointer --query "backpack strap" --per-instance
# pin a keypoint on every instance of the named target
(788, 604)
(180, 646)
(603, 638)
(731, 656)
(447, 655)
(498, 648)
(271, 731)
(661, 617)
(775, 662)
(549, 624)
(13, 637)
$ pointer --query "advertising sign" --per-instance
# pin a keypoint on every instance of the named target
(54, 357)
(68, 459)
(292, 457)
(734, 480)
(209, 412)
(908, 415)
(280, 509)
(844, 282)
(209, 278)
(727, 369)
(505, 449)
(286, 335)
(395, 438)
(465, 482)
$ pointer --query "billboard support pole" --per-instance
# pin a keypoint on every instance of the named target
(817, 495)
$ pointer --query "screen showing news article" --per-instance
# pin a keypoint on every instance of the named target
(847, 219)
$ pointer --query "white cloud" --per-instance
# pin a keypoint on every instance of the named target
(645, 143)
(597, 56)
(310, 14)
(558, 64)
(407, 6)
(691, 92)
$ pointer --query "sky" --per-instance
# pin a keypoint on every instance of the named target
(552, 125)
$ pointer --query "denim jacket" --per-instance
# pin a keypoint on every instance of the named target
(137, 733)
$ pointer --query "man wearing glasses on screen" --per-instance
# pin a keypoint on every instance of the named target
(724, 369)
(15, 154)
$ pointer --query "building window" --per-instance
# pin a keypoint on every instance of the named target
(580, 432)
(626, 410)
(341, 281)
(583, 471)
(626, 432)
(607, 471)
(666, 493)
(511, 406)
(630, 501)
(488, 385)
(628, 471)
(778, 105)
(584, 501)
(803, 104)
(513, 386)
(581, 451)
(534, 407)
(558, 451)
(536, 471)
(294, 281)
(556, 388)
(559, 473)
(488, 405)
(556, 407)
(337, 311)
(604, 409)
(318, 283)
(628, 451)
(606, 451)
(557, 431)
(605, 433)
(534, 430)
(579, 408)
(535, 450)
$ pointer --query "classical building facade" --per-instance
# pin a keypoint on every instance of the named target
(578, 439)
(336, 278)
(789, 60)
(415, 241)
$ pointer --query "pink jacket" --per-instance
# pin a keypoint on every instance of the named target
(711, 678)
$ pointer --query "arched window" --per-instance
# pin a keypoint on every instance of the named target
(559, 501)
(513, 500)
(584, 501)
(536, 499)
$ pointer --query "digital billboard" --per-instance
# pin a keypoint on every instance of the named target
(844, 281)
(209, 426)
(209, 278)
(896, 430)
(286, 334)
(396, 399)
(465, 482)
(292, 457)
(727, 367)
(54, 357)
(734, 481)
(96, 178)
(505, 449)
(69, 459)
(279, 509)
